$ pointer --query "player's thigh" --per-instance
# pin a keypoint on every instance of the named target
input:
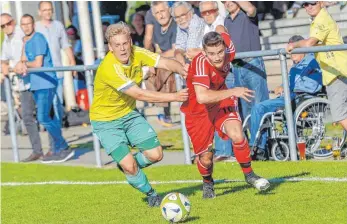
(228, 122)
(201, 132)
(112, 137)
(140, 133)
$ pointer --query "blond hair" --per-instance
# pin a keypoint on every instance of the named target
(116, 29)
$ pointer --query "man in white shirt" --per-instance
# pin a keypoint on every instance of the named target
(57, 39)
(10, 56)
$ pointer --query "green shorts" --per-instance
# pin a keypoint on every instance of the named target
(131, 130)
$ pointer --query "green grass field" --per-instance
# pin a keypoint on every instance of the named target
(286, 202)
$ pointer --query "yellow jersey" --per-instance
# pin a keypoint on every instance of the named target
(332, 63)
(113, 77)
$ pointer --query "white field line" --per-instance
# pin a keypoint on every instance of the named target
(274, 180)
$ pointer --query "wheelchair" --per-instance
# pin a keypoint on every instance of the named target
(312, 122)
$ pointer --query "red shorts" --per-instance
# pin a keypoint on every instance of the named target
(201, 127)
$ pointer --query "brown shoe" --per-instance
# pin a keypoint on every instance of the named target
(48, 154)
(32, 157)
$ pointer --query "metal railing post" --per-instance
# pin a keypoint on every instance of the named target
(88, 58)
(11, 119)
(288, 108)
(99, 36)
(186, 141)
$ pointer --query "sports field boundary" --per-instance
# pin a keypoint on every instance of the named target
(273, 180)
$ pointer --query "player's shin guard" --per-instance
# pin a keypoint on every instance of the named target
(206, 172)
(243, 155)
(141, 160)
(139, 181)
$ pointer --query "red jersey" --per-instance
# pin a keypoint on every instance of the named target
(202, 72)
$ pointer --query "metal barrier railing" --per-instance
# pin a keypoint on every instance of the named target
(89, 68)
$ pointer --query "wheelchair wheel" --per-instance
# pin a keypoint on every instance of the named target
(313, 122)
(280, 151)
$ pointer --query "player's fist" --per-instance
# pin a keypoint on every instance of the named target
(289, 48)
(181, 95)
(243, 92)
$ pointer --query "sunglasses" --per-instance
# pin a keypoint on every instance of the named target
(306, 4)
(208, 12)
(6, 24)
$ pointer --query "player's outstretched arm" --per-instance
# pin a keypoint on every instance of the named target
(172, 65)
(156, 97)
(207, 96)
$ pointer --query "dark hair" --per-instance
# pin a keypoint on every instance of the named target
(40, 3)
(30, 16)
(212, 39)
(295, 38)
(106, 23)
(75, 30)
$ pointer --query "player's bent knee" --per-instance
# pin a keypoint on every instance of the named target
(129, 168)
(206, 159)
(155, 154)
(237, 137)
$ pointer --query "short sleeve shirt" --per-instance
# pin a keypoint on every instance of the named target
(332, 63)
(12, 52)
(38, 46)
(192, 37)
(165, 40)
(113, 78)
(57, 39)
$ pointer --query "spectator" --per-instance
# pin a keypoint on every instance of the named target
(74, 40)
(36, 54)
(138, 34)
(164, 38)
(10, 56)
(304, 77)
(215, 22)
(104, 28)
(324, 31)
(55, 34)
(242, 25)
(189, 33)
(196, 8)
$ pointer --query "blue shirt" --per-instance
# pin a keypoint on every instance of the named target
(305, 76)
(36, 46)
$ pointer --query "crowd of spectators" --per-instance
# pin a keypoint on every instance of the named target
(172, 29)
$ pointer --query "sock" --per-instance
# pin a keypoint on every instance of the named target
(142, 160)
(207, 179)
(139, 181)
(243, 155)
(204, 171)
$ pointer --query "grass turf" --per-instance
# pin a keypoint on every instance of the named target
(286, 202)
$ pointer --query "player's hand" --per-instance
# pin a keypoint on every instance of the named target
(243, 93)
(289, 48)
(181, 95)
(184, 71)
(279, 90)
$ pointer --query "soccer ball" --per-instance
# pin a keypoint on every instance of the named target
(175, 207)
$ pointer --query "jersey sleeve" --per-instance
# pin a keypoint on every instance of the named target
(200, 72)
(41, 45)
(230, 46)
(319, 31)
(113, 75)
(147, 57)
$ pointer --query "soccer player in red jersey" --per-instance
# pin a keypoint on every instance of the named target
(212, 106)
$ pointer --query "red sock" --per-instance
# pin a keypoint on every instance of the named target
(204, 171)
(243, 155)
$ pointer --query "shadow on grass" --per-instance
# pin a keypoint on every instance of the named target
(275, 183)
(81, 149)
(189, 219)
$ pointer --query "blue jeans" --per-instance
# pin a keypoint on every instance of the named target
(58, 102)
(257, 113)
(224, 148)
(251, 75)
(44, 99)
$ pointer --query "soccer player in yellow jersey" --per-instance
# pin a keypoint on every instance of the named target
(324, 31)
(113, 114)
